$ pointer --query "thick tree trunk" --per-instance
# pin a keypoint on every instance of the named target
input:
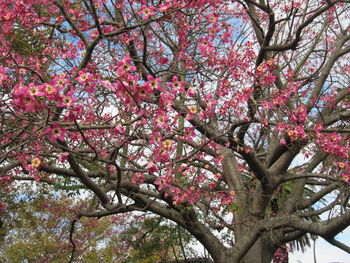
(261, 252)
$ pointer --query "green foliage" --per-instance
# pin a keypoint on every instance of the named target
(37, 230)
(25, 43)
(36, 227)
(155, 240)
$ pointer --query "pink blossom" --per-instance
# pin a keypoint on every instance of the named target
(55, 132)
(176, 85)
(146, 12)
(191, 92)
(63, 157)
(3, 74)
(2, 206)
(83, 77)
(138, 178)
(151, 167)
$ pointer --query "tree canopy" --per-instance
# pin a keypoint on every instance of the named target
(229, 119)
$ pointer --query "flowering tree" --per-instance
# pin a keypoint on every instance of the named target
(36, 229)
(229, 118)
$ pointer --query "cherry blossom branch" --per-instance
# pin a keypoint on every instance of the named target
(294, 43)
(8, 167)
(71, 23)
(86, 140)
(86, 180)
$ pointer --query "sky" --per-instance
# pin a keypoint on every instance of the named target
(325, 253)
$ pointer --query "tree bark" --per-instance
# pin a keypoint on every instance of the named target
(261, 252)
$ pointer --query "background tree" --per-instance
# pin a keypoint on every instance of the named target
(229, 118)
(37, 227)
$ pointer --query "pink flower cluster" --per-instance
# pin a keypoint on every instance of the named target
(32, 98)
(3, 74)
(138, 178)
(334, 144)
(33, 167)
(279, 97)
(2, 206)
(299, 115)
(344, 168)
(55, 132)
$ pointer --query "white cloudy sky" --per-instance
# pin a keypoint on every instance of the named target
(325, 253)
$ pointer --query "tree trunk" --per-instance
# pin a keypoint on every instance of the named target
(262, 251)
